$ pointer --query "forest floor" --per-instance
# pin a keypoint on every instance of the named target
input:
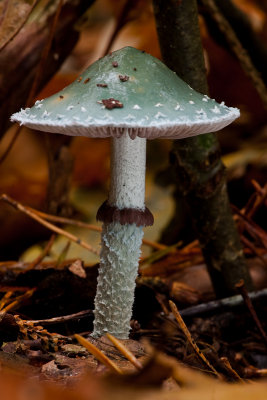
(46, 303)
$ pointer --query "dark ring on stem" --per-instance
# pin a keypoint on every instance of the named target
(108, 214)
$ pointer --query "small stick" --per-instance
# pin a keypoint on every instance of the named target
(18, 300)
(253, 249)
(258, 188)
(240, 286)
(98, 354)
(222, 305)
(159, 298)
(185, 330)
(256, 200)
(43, 254)
(81, 224)
(229, 367)
(64, 220)
(5, 299)
(124, 351)
(253, 229)
(154, 245)
(61, 319)
(48, 225)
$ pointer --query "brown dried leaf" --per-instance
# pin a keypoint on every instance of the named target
(184, 293)
(13, 15)
(77, 269)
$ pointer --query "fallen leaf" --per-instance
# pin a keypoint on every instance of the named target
(13, 15)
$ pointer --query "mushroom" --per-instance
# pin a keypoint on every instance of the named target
(129, 96)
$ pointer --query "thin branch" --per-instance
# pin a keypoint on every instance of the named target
(230, 369)
(48, 225)
(222, 305)
(18, 300)
(5, 299)
(63, 220)
(242, 290)
(43, 254)
(62, 319)
(254, 250)
(256, 200)
(252, 228)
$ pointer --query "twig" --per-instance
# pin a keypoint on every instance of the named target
(159, 297)
(229, 368)
(242, 290)
(81, 224)
(98, 354)
(256, 200)
(18, 300)
(63, 318)
(5, 299)
(155, 245)
(224, 304)
(37, 78)
(158, 255)
(237, 48)
(252, 228)
(124, 351)
(185, 330)
(48, 225)
(253, 249)
(43, 254)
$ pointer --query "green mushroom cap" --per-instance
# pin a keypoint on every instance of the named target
(128, 89)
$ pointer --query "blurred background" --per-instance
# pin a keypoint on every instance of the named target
(106, 26)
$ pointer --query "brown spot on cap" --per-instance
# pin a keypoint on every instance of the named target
(86, 80)
(115, 64)
(108, 214)
(112, 103)
(79, 79)
(123, 78)
(101, 85)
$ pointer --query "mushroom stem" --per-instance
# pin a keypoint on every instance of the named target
(128, 168)
(121, 243)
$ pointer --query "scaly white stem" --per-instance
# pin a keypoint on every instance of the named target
(128, 169)
(121, 243)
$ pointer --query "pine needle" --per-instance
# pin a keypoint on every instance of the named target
(101, 357)
(185, 330)
(32, 214)
(124, 351)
